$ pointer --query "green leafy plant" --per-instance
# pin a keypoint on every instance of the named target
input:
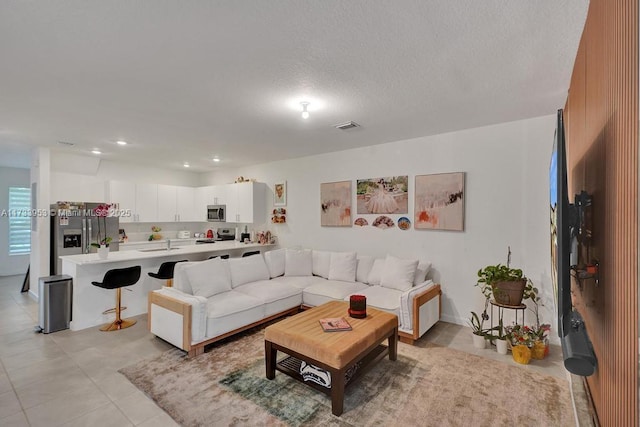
(476, 323)
(497, 273)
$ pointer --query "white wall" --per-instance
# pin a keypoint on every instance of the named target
(506, 204)
(14, 264)
(78, 178)
(40, 188)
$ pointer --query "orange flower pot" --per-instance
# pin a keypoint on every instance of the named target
(540, 350)
(521, 354)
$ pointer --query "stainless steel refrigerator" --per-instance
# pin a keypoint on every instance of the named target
(74, 227)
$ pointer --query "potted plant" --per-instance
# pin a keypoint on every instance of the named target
(479, 334)
(521, 339)
(506, 284)
(102, 244)
(501, 339)
(540, 344)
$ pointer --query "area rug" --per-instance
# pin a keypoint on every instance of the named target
(426, 386)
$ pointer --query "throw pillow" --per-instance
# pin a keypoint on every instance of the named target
(247, 269)
(421, 272)
(343, 266)
(365, 264)
(376, 272)
(208, 278)
(298, 262)
(275, 262)
(398, 273)
(321, 262)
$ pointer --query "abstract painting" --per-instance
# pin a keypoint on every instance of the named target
(335, 204)
(386, 195)
(439, 201)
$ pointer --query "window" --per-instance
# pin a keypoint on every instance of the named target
(19, 221)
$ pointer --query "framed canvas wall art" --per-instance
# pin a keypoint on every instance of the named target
(439, 201)
(335, 204)
(387, 195)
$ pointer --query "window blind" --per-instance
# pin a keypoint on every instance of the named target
(19, 220)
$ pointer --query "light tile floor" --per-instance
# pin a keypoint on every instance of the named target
(71, 378)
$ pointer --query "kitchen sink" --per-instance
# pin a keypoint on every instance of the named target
(157, 250)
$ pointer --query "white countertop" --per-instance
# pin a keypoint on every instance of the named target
(130, 255)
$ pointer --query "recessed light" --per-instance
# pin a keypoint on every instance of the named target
(186, 165)
(215, 159)
(96, 151)
(121, 142)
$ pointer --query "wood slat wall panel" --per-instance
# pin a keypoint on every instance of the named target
(602, 138)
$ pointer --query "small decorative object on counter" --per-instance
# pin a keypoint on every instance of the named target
(154, 235)
(358, 306)
(103, 252)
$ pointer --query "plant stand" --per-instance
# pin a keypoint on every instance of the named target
(501, 307)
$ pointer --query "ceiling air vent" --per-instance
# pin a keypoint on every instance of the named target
(68, 144)
(347, 126)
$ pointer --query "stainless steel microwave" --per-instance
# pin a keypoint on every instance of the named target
(216, 213)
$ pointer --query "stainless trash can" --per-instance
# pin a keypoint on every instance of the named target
(54, 312)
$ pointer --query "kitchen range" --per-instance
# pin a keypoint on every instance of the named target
(222, 234)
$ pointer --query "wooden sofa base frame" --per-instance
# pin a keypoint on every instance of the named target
(184, 309)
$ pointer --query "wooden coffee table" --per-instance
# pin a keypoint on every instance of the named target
(302, 338)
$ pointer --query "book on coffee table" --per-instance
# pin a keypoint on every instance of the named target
(335, 324)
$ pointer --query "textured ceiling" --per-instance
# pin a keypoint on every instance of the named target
(184, 81)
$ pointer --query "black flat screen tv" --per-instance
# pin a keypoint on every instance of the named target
(561, 229)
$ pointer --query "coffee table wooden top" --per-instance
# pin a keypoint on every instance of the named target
(302, 333)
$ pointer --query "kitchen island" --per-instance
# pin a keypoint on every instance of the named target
(90, 301)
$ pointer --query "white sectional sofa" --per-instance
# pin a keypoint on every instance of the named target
(213, 299)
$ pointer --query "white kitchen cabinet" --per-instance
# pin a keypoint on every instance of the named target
(140, 199)
(147, 202)
(246, 202)
(176, 204)
(201, 202)
(186, 210)
(167, 203)
(220, 194)
(124, 194)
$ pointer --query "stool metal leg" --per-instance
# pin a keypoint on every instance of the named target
(118, 323)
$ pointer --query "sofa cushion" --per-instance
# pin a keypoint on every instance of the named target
(382, 298)
(398, 273)
(180, 278)
(231, 310)
(375, 275)
(343, 266)
(363, 268)
(275, 262)
(270, 291)
(247, 269)
(321, 263)
(421, 272)
(329, 290)
(298, 262)
(208, 278)
(299, 282)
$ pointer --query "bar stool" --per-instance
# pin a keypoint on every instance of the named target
(117, 279)
(165, 272)
(250, 253)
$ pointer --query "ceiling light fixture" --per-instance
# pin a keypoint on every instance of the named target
(96, 151)
(121, 142)
(215, 159)
(186, 165)
(305, 113)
